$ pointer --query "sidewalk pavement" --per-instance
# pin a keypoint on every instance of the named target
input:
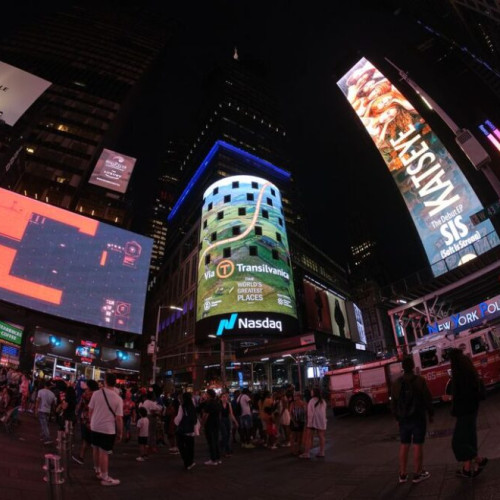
(361, 463)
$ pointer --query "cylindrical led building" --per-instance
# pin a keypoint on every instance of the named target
(245, 284)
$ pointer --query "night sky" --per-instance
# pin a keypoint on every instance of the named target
(307, 47)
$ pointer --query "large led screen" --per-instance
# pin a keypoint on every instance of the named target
(245, 283)
(54, 344)
(18, 91)
(120, 359)
(113, 171)
(437, 194)
(326, 312)
(62, 263)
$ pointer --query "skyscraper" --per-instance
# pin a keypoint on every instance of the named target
(241, 136)
(96, 59)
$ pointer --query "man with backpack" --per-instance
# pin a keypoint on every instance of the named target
(411, 402)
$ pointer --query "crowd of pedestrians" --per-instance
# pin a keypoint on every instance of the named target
(104, 414)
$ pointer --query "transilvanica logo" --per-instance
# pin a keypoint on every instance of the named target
(225, 268)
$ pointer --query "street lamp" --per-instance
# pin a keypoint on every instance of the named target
(157, 332)
(298, 368)
(222, 359)
(471, 147)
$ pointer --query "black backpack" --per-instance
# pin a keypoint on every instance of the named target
(237, 408)
(407, 404)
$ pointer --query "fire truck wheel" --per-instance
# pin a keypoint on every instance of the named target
(360, 405)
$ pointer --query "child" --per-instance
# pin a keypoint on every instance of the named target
(271, 428)
(142, 433)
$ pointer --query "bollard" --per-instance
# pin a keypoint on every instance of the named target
(62, 448)
(53, 477)
(69, 440)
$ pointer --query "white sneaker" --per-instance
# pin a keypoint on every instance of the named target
(140, 459)
(211, 462)
(109, 481)
(189, 467)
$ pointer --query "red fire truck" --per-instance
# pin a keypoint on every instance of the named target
(358, 388)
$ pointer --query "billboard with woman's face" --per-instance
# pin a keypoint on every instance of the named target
(436, 192)
(244, 272)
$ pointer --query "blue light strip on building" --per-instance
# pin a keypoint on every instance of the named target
(263, 164)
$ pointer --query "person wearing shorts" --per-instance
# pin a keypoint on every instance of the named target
(106, 426)
(84, 415)
(412, 424)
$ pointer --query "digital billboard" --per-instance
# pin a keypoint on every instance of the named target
(113, 171)
(18, 91)
(87, 352)
(482, 313)
(54, 344)
(355, 317)
(326, 312)
(437, 194)
(245, 283)
(62, 263)
(120, 359)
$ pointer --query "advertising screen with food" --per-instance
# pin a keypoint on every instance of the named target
(436, 192)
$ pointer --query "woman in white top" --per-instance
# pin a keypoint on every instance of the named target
(316, 422)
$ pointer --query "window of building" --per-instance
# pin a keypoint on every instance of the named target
(226, 253)
(275, 254)
(216, 191)
(280, 221)
(220, 215)
(236, 230)
(227, 198)
(213, 236)
(265, 214)
(258, 230)
(207, 259)
(278, 237)
(269, 202)
(252, 250)
(242, 211)
(273, 192)
(236, 185)
(255, 185)
(250, 197)
(210, 206)
(205, 223)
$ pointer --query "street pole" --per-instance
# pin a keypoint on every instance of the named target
(471, 147)
(299, 371)
(300, 375)
(155, 352)
(222, 364)
(157, 333)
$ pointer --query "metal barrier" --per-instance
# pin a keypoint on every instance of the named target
(53, 477)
